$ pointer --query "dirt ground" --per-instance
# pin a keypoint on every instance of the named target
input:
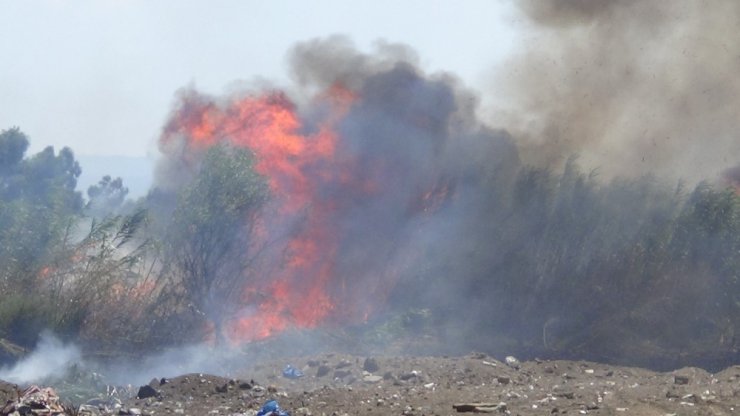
(338, 385)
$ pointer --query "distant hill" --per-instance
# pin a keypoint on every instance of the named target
(136, 172)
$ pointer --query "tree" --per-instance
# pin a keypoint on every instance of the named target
(38, 206)
(106, 197)
(38, 202)
(13, 146)
(211, 235)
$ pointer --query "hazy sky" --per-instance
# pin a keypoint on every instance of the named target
(100, 76)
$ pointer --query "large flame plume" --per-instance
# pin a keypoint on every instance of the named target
(351, 173)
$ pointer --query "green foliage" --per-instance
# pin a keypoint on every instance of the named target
(38, 202)
(581, 267)
(106, 197)
(210, 239)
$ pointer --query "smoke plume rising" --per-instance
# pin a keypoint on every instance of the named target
(634, 87)
(51, 357)
(365, 159)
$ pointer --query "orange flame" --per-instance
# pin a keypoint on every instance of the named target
(268, 125)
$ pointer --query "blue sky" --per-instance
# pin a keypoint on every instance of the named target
(100, 76)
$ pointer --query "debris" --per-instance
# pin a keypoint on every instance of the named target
(291, 372)
(567, 395)
(34, 401)
(272, 408)
(371, 379)
(480, 407)
(408, 376)
(679, 379)
(512, 362)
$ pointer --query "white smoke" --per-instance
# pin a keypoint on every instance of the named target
(50, 358)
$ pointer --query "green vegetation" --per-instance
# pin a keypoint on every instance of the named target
(109, 271)
(629, 270)
(551, 262)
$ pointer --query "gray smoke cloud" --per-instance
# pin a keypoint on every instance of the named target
(634, 87)
(51, 357)
(413, 137)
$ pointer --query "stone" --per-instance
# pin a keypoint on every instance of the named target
(370, 365)
(372, 379)
(341, 373)
(322, 370)
(146, 392)
(512, 362)
(679, 379)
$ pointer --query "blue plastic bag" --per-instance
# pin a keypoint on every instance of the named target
(272, 408)
(291, 372)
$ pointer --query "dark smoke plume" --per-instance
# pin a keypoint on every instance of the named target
(409, 157)
(632, 86)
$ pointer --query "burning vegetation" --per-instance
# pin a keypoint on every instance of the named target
(371, 195)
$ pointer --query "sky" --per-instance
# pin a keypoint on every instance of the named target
(101, 76)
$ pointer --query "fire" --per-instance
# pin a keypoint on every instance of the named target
(336, 207)
(297, 166)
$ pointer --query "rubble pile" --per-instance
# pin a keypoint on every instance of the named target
(344, 385)
(34, 400)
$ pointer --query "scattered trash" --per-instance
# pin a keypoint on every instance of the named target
(481, 407)
(291, 372)
(272, 408)
(35, 401)
(512, 362)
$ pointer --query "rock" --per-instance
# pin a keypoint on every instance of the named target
(372, 379)
(409, 375)
(258, 391)
(679, 379)
(146, 392)
(671, 394)
(512, 362)
(322, 370)
(370, 365)
(88, 410)
(302, 411)
(480, 407)
(567, 395)
(342, 373)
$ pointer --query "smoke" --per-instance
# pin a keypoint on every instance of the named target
(732, 177)
(634, 87)
(368, 158)
(197, 358)
(51, 357)
(388, 188)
